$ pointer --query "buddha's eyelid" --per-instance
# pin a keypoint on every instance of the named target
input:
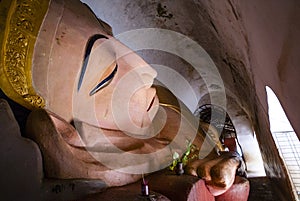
(86, 57)
(104, 82)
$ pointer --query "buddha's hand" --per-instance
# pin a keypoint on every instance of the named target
(218, 172)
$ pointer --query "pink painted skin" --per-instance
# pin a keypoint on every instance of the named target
(127, 104)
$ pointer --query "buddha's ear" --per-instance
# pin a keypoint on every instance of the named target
(106, 27)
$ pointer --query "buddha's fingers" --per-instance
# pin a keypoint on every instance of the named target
(204, 169)
(192, 167)
(223, 175)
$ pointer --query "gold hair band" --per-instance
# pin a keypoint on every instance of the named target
(20, 22)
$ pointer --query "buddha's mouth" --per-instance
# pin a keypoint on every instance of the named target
(151, 103)
(152, 99)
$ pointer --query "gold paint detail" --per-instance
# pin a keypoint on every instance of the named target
(22, 19)
(212, 135)
(173, 107)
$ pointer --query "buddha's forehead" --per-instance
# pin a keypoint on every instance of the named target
(61, 44)
(78, 17)
(75, 22)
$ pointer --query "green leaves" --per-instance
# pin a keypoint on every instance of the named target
(185, 156)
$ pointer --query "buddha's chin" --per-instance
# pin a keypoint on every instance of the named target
(113, 150)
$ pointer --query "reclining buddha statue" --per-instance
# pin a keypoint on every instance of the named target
(95, 113)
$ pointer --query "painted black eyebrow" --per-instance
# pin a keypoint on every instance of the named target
(86, 57)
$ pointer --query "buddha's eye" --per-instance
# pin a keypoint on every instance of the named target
(87, 53)
(106, 79)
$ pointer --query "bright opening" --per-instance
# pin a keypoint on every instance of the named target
(285, 138)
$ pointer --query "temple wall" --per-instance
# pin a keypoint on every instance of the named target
(272, 27)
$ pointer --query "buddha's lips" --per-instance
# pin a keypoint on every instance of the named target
(151, 103)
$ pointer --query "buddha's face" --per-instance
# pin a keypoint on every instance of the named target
(85, 74)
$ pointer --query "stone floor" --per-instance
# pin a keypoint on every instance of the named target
(261, 190)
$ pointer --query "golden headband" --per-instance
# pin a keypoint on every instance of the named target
(20, 22)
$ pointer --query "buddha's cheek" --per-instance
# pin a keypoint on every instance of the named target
(137, 111)
(127, 113)
(120, 114)
(105, 115)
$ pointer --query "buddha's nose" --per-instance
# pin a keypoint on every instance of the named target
(147, 74)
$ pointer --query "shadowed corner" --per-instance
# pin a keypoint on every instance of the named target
(25, 156)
